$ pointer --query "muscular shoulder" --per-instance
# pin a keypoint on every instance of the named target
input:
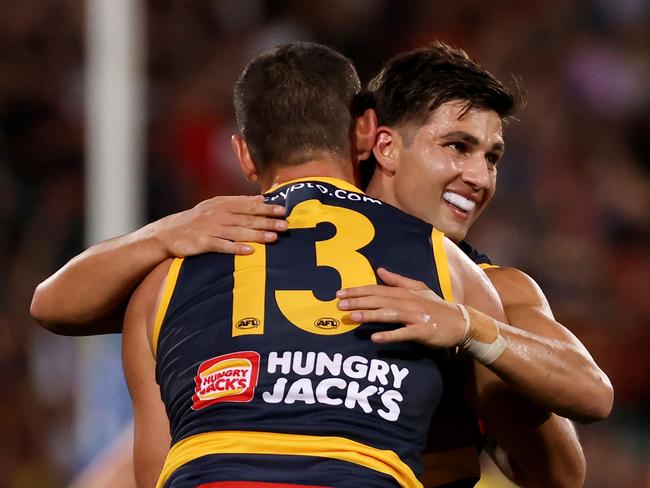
(516, 288)
(471, 285)
(464, 271)
(146, 298)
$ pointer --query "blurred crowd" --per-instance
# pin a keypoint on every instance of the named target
(571, 208)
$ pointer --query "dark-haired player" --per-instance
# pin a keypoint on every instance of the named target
(440, 117)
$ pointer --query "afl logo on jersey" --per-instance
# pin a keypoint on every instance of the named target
(327, 323)
(228, 378)
(248, 323)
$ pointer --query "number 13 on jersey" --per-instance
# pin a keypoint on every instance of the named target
(301, 307)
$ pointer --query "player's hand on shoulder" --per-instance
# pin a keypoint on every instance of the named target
(426, 317)
(220, 224)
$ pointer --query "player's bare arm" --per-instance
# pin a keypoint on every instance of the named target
(535, 447)
(531, 446)
(89, 294)
(151, 426)
(536, 336)
(542, 359)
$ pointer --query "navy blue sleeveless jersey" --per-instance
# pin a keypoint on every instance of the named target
(265, 380)
(483, 260)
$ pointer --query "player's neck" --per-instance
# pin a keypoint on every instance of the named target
(379, 188)
(326, 167)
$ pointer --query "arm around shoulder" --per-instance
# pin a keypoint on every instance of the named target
(538, 448)
(89, 294)
(533, 331)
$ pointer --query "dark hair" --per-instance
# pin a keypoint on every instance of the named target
(294, 101)
(412, 85)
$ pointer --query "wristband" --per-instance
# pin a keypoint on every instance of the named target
(484, 353)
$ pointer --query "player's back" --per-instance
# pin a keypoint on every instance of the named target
(265, 380)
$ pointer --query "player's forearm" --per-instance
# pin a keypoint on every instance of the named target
(552, 456)
(94, 284)
(531, 446)
(557, 374)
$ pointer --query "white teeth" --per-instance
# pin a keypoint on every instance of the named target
(459, 201)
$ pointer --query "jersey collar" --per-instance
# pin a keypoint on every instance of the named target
(322, 179)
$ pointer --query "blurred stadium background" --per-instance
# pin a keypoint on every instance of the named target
(571, 209)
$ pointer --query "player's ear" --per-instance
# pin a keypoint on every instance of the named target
(365, 132)
(240, 148)
(386, 149)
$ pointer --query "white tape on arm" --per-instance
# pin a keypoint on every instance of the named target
(483, 352)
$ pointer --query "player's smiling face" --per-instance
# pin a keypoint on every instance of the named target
(447, 174)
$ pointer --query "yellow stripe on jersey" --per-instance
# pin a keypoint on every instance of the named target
(249, 292)
(170, 284)
(243, 442)
(487, 266)
(344, 185)
(444, 277)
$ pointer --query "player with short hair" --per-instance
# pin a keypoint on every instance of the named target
(263, 379)
(440, 117)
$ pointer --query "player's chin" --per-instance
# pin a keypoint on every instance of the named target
(455, 230)
(455, 223)
(457, 235)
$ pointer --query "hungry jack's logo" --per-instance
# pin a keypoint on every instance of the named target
(228, 378)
